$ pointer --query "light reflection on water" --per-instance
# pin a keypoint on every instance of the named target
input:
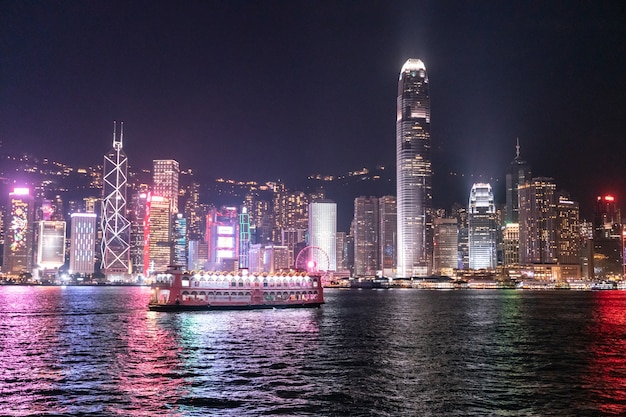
(97, 350)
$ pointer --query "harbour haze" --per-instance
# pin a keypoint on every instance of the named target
(97, 350)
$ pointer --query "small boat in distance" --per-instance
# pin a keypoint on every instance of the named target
(176, 290)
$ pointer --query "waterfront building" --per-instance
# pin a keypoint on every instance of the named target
(510, 241)
(322, 232)
(137, 217)
(482, 227)
(165, 177)
(256, 256)
(179, 240)
(538, 221)
(414, 171)
(244, 238)
(194, 213)
(366, 232)
(198, 257)
(50, 244)
(115, 225)
(519, 173)
(460, 212)
(222, 236)
(341, 242)
(388, 231)
(445, 245)
(82, 243)
(157, 235)
(607, 239)
(568, 238)
(294, 239)
(19, 232)
(275, 258)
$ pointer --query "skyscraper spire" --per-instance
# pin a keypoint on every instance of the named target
(517, 149)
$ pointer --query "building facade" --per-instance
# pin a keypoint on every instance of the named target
(388, 232)
(19, 232)
(165, 177)
(538, 221)
(366, 232)
(157, 235)
(519, 173)
(115, 225)
(445, 246)
(482, 234)
(82, 243)
(322, 233)
(414, 171)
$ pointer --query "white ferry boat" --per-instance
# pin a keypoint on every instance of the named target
(176, 290)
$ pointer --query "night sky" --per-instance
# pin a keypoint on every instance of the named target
(280, 90)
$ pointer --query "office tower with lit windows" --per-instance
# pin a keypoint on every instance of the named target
(482, 231)
(568, 238)
(323, 231)
(519, 173)
(82, 243)
(137, 217)
(538, 221)
(19, 233)
(165, 177)
(115, 225)
(445, 245)
(341, 258)
(607, 239)
(179, 241)
(460, 212)
(157, 235)
(414, 171)
(244, 239)
(366, 223)
(275, 258)
(387, 229)
(510, 243)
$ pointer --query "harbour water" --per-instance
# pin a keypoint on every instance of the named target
(401, 352)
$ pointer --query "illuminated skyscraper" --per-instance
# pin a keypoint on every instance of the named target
(446, 243)
(366, 223)
(388, 226)
(322, 232)
(222, 236)
(157, 235)
(482, 227)
(18, 236)
(82, 243)
(165, 176)
(607, 239)
(414, 171)
(50, 244)
(115, 225)
(538, 221)
(518, 174)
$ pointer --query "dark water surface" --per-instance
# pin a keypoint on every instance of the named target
(98, 351)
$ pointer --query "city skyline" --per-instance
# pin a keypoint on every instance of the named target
(214, 85)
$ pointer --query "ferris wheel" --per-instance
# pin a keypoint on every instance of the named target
(313, 259)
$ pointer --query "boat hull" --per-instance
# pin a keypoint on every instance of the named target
(209, 307)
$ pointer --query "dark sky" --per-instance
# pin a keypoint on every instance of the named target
(269, 90)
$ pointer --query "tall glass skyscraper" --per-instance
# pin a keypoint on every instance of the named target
(115, 225)
(414, 171)
(482, 227)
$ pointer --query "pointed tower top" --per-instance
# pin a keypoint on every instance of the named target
(117, 145)
(517, 149)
